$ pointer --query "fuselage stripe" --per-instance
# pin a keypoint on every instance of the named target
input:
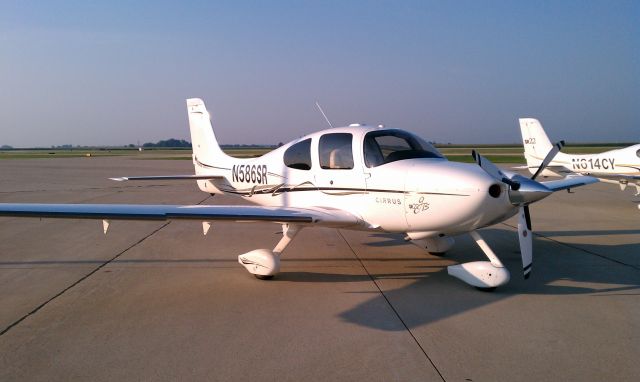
(346, 189)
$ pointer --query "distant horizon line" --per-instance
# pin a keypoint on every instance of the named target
(253, 145)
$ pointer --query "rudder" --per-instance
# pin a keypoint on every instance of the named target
(535, 141)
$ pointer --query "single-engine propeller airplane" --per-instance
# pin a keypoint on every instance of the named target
(356, 177)
(621, 166)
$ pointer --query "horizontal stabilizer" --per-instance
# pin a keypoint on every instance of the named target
(167, 177)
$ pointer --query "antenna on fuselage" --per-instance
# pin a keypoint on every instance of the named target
(323, 114)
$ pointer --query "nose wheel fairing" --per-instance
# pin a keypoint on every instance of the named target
(481, 274)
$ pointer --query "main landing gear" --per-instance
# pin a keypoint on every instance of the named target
(625, 183)
(484, 275)
(264, 263)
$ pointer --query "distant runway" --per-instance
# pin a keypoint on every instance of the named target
(160, 301)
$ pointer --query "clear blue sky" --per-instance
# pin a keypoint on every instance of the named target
(115, 72)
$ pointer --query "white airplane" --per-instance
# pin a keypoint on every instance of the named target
(621, 166)
(357, 177)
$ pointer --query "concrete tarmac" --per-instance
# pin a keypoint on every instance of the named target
(160, 301)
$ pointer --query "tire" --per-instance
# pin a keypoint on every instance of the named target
(490, 289)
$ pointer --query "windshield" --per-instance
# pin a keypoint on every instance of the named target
(386, 146)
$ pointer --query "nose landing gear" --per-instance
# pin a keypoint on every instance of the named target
(484, 275)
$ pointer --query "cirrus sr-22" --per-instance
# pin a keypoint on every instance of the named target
(357, 177)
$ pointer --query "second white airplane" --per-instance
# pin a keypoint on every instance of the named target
(355, 177)
(620, 166)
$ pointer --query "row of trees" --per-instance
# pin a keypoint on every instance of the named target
(168, 143)
(173, 143)
(181, 143)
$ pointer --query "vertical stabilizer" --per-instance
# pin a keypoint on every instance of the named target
(203, 140)
(536, 143)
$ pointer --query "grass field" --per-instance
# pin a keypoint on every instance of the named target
(458, 153)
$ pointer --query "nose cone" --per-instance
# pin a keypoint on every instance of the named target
(530, 191)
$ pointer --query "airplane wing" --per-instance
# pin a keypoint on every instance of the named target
(617, 177)
(570, 181)
(322, 216)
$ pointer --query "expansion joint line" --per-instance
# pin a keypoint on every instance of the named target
(102, 265)
(375, 282)
(580, 249)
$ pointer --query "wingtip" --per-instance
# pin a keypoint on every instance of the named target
(120, 179)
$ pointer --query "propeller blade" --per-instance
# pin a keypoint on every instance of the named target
(493, 170)
(526, 240)
(552, 154)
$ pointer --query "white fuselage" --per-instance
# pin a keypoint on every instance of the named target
(625, 161)
(424, 196)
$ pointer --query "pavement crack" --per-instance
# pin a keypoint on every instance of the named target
(36, 309)
(99, 267)
(375, 282)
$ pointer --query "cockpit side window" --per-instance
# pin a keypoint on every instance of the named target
(298, 156)
(335, 151)
(388, 146)
(638, 153)
(372, 153)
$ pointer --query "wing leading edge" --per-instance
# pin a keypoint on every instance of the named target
(617, 177)
(312, 216)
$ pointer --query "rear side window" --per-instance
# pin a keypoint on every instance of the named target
(335, 151)
(298, 156)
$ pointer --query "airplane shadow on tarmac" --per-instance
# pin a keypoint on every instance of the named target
(558, 270)
(589, 233)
